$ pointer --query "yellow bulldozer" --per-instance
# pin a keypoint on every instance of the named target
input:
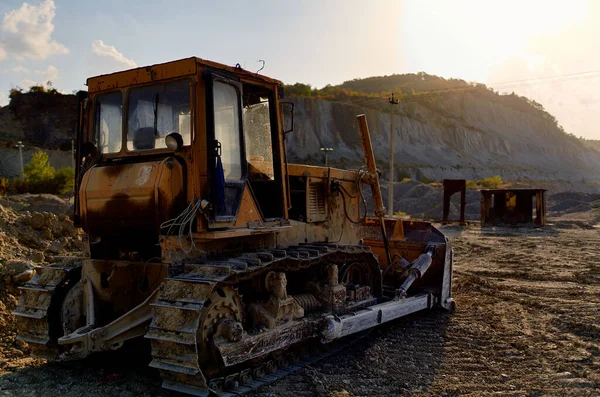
(200, 237)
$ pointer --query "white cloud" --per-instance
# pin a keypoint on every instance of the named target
(27, 32)
(20, 69)
(41, 77)
(51, 73)
(104, 50)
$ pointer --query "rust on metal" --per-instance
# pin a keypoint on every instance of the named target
(513, 206)
(452, 186)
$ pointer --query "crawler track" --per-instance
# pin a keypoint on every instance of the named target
(35, 309)
(186, 303)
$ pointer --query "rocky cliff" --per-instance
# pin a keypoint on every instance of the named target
(39, 119)
(462, 136)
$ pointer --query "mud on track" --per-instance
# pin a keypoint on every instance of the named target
(527, 324)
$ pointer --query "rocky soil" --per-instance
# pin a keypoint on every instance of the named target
(526, 324)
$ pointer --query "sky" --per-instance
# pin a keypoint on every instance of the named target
(319, 42)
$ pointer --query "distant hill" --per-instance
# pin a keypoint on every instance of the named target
(428, 90)
(444, 128)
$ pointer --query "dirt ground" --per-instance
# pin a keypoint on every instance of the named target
(527, 324)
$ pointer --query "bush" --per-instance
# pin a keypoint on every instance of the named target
(491, 182)
(425, 180)
(4, 186)
(486, 183)
(471, 184)
(65, 179)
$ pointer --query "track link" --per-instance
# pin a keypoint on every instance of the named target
(175, 328)
(32, 313)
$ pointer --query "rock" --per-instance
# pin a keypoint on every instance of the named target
(56, 247)
(17, 266)
(36, 220)
(23, 277)
(36, 257)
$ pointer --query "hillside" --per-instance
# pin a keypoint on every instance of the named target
(452, 130)
(443, 129)
(39, 118)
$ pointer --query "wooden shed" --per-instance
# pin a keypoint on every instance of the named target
(513, 206)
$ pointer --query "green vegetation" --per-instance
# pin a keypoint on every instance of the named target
(400, 213)
(41, 177)
(427, 181)
(34, 89)
(492, 182)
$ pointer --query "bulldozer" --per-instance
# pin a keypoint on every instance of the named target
(200, 238)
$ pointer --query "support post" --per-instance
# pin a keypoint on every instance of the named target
(391, 162)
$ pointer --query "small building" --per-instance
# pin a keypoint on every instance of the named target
(513, 206)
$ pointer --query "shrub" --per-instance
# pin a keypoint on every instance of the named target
(486, 183)
(65, 179)
(4, 186)
(471, 184)
(425, 180)
(491, 182)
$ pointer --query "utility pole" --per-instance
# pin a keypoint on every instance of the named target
(391, 171)
(326, 150)
(21, 146)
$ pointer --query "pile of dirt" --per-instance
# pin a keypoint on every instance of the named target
(28, 239)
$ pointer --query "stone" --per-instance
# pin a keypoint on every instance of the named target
(56, 247)
(16, 266)
(36, 257)
(23, 277)
(36, 220)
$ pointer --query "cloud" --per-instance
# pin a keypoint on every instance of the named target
(20, 69)
(27, 32)
(41, 76)
(51, 73)
(104, 50)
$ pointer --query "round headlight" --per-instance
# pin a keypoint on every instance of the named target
(174, 141)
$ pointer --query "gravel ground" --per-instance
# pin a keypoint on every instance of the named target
(526, 325)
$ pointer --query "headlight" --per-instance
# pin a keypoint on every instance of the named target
(174, 141)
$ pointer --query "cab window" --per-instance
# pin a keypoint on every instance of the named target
(109, 122)
(257, 135)
(227, 128)
(156, 111)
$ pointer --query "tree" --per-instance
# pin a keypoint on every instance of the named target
(39, 169)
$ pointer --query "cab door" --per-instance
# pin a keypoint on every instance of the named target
(227, 162)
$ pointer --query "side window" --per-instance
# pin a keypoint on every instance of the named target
(227, 128)
(257, 135)
(108, 128)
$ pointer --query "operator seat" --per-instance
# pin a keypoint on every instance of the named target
(144, 138)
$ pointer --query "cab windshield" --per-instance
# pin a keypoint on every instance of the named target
(156, 111)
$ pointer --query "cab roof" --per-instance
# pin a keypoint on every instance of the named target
(164, 71)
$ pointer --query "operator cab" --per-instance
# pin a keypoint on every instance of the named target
(220, 125)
